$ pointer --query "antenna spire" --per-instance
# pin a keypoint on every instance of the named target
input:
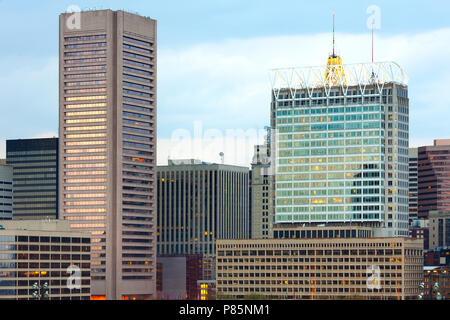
(334, 13)
(372, 41)
(373, 76)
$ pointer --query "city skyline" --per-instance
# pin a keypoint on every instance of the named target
(272, 155)
(238, 61)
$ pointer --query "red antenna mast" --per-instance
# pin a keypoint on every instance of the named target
(333, 34)
(372, 41)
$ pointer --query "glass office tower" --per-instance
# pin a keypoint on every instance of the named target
(35, 167)
(342, 145)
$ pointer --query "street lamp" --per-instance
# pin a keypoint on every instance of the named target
(434, 290)
(40, 292)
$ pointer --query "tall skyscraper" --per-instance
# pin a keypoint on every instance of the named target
(341, 151)
(413, 184)
(6, 192)
(199, 203)
(434, 181)
(35, 167)
(108, 145)
(261, 194)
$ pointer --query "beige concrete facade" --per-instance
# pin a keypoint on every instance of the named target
(262, 195)
(338, 268)
(439, 229)
(108, 145)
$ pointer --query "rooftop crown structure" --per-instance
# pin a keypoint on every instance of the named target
(334, 74)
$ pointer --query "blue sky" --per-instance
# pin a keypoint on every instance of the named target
(214, 57)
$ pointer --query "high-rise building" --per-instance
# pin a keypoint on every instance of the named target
(433, 175)
(261, 194)
(6, 192)
(341, 150)
(199, 203)
(413, 184)
(107, 131)
(35, 167)
(439, 229)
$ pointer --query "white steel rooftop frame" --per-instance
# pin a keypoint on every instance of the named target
(359, 74)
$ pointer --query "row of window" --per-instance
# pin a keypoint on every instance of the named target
(86, 38)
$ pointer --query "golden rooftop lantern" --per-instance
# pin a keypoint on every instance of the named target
(334, 72)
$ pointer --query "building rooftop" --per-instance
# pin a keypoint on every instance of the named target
(36, 225)
(359, 74)
(195, 163)
(441, 142)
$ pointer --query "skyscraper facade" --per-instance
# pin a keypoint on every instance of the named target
(108, 145)
(434, 177)
(342, 145)
(35, 167)
(199, 203)
(6, 192)
(261, 189)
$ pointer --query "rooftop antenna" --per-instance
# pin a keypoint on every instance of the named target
(222, 159)
(372, 40)
(373, 73)
(334, 55)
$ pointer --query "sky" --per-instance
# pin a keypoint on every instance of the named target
(214, 59)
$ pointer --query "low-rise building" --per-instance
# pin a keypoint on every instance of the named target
(420, 229)
(177, 276)
(437, 257)
(439, 276)
(43, 259)
(359, 267)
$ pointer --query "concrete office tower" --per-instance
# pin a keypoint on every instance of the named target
(439, 229)
(199, 203)
(35, 164)
(6, 192)
(341, 151)
(413, 184)
(261, 189)
(108, 145)
(434, 182)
